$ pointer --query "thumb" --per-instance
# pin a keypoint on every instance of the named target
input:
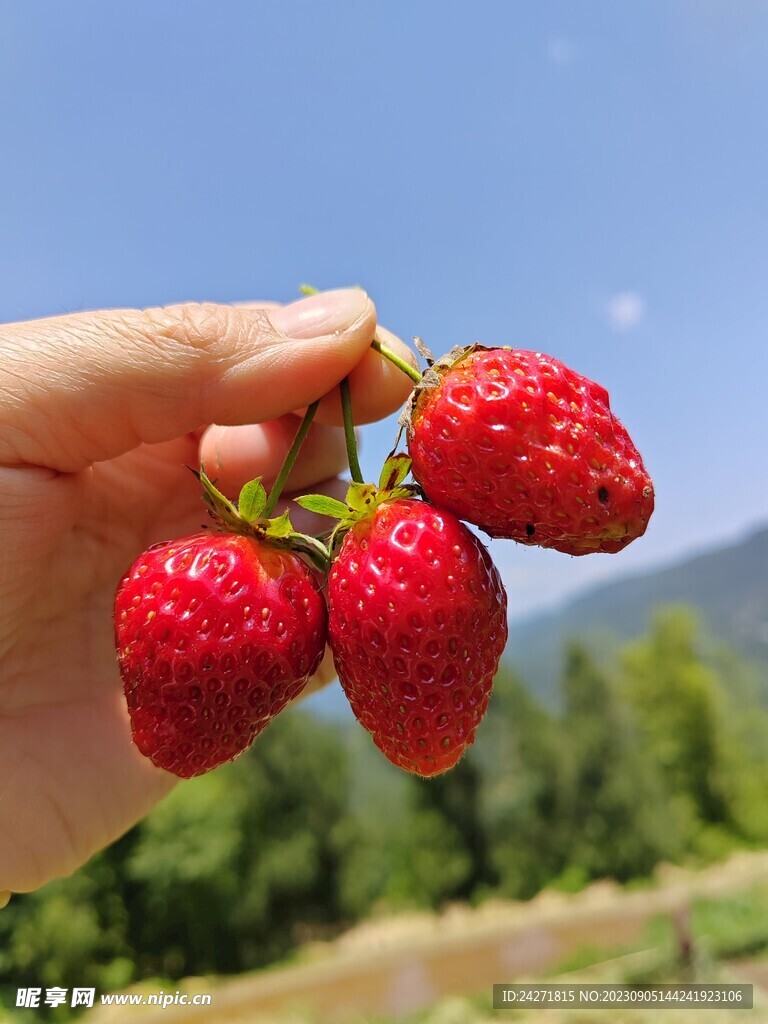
(83, 388)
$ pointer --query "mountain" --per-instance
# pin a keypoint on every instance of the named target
(729, 586)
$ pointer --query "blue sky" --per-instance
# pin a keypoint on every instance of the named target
(586, 179)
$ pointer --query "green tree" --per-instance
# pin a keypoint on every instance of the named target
(456, 796)
(622, 821)
(407, 842)
(297, 784)
(231, 866)
(680, 706)
(183, 877)
(72, 931)
(520, 752)
(368, 836)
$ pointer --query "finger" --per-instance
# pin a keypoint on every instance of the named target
(234, 455)
(88, 387)
(378, 388)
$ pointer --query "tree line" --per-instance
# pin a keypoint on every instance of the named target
(658, 754)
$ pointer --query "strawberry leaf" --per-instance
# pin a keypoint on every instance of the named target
(252, 500)
(279, 527)
(361, 497)
(322, 505)
(394, 471)
(218, 503)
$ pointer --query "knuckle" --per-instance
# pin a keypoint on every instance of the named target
(201, 339)
(207, 335)
(204, 341)
(199, 326)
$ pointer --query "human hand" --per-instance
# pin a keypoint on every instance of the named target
(99, 415)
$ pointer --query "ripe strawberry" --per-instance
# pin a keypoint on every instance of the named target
(417, 625)
(525, 448)
(215, 634)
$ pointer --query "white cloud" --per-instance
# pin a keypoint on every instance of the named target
(625, 310)
(560, 51)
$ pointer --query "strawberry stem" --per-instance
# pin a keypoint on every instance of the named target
(396, 360)
(349, 432)
(290, 459)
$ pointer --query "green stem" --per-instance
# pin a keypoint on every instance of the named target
(282, 476)
(396, 360)
(349, 432)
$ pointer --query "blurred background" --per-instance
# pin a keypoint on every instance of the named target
(588, 180)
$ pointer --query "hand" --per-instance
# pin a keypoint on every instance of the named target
(99, 415)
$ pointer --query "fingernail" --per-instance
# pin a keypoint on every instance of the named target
(4, 899)
(319, 315)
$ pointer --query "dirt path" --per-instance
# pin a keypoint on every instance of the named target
(393, 970)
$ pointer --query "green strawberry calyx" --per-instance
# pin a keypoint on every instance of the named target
(363, 499)
(249, 516)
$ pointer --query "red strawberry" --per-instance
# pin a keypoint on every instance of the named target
(523, 447)
(215, 634)
(417, 624)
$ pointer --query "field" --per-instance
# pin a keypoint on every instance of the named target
(705, 926)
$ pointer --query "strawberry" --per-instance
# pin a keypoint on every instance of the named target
(215, 634)
(524, 447)
(417, 625)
